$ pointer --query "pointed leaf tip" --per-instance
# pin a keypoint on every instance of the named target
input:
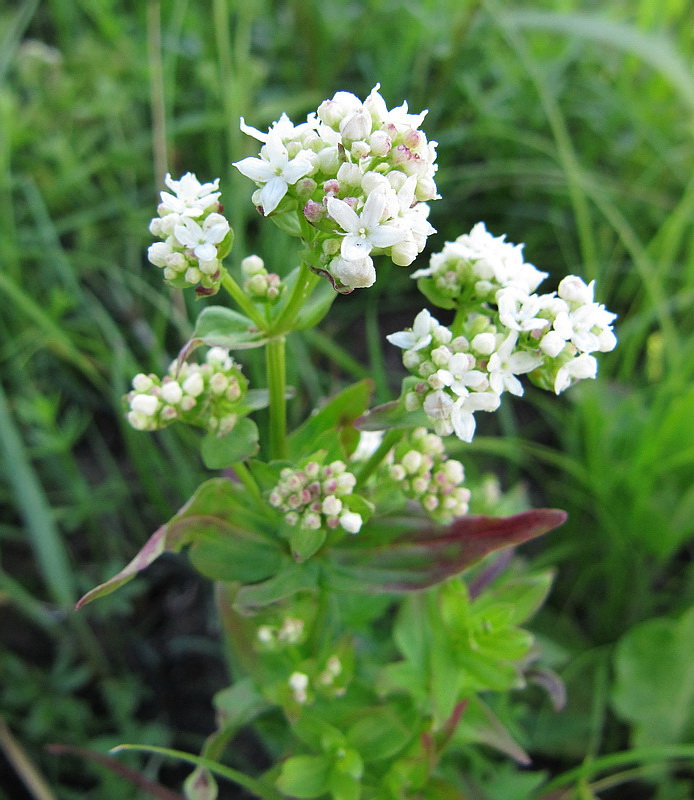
(426, 555)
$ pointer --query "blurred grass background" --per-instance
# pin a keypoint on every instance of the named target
(566, 125)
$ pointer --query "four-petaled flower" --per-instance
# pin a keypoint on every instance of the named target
(202, 238)
(364, 232)
(275, 170)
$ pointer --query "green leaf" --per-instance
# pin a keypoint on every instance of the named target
(291, 579)
(239, 704)
(218, 326)
(523, 596)
(395, 555)
(241, 443)
(223, 552)
(219, 509)
(654, 686)
(304, 776)
(304, 542)
(314, 731)
(344, 786)
(391, 415)
(412, 632)
(427, 287)
(380, 734)
(340, 412)
(479, 724)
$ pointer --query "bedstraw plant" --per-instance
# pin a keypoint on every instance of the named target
(361, 656)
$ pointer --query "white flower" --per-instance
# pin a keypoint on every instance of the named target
(145, 404)
(552, 344)
(356, 274)
(588, 328)
(191, 197)
(284, 127)
(462, 414)
(159, 253)
(518, 310)
(420, 335)
(275, 170)
(194, 384)
(351, 522)
(202, 239)
(574, 290)
(298, 683)
(506, 363)
(364, 231)
(579, 368)
(171, 392)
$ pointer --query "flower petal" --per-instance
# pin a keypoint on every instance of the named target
(257, 169)
(343, 214)
(271, 194)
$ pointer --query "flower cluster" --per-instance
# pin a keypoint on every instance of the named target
(195, 236)
(508, 330)
(260, 284)
(360, 176)
(208, 395)
(424, 472)
(290, 632)
(476, 265)
(330, 680)
(317, 496)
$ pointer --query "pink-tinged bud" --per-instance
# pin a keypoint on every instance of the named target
(414, 139)
(331, 112)
(410, 162)
(312, 469)
(314, 212)
(331, 188)
(305, 186)
(380, 143)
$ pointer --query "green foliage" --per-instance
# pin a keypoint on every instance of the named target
(653, 688)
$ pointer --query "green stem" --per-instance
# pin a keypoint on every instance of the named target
(242, 300)
(243, 474)
(257, 787)
(389, 441)
(276, 367)
(305, 284)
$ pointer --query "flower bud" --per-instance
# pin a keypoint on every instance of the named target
(356, 126)
(252, 265)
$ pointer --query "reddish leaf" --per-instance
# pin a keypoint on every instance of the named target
(223, 528)
(422, 556)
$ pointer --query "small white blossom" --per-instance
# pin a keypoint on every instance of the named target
(419, 336)
(579, 368)
(298, 683)
(191, 198)
(351, 522)
(507, 362)
(274, 170)
(364, 231)
(202, 239)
